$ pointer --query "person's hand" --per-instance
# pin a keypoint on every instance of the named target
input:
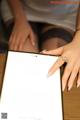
(20, 33)
(70, 54)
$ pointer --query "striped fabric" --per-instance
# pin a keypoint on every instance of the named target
(57, 12)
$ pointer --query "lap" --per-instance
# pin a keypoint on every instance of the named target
(46, 36)
(52, 36)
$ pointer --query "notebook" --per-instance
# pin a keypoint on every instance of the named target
(27, 92)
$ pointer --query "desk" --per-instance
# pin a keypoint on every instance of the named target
(2, 66)
(71, 100)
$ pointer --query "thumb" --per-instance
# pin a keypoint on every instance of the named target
(57, 51)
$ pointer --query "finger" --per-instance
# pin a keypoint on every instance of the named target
(43, 51)
(23, 40)
(16, 45)
(21, 44)
(32, 39)
(73, 76)
(11, 36)
(17, 41)
(12, 41)
(57, 51)
(78, 81)
(56, 65)
(66, 75)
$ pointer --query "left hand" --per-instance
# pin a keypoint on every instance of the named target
(70, 54)
(21, 32)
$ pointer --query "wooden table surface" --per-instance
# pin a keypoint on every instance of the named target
(71, 100)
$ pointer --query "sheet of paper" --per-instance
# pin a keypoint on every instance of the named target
(27, 93)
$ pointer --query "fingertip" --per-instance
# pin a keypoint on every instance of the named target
(33, 43)
(20, 48)
(69, 87)
(44, 51)
(70, 84)
(48, 75)
(63, 86)
(78, 84)
(32, 40)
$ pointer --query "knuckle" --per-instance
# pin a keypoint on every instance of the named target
(75, 70)
(68, 69)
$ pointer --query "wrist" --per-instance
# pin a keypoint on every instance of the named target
(20, 19)
(77, 30)
(76, 37)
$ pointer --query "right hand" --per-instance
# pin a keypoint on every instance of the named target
(20, 33)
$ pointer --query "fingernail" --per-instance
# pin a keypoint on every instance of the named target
(69, 87)
(78, 84)
(49, 74)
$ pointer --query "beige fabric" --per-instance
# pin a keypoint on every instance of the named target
(42, 11)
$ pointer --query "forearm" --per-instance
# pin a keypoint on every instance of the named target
(16, 9)
(78, 20)
(77, 31)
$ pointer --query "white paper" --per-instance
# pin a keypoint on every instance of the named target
(27, 93)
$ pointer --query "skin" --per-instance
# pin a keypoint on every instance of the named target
(20, 34)
(22, 30)
(71, 51)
